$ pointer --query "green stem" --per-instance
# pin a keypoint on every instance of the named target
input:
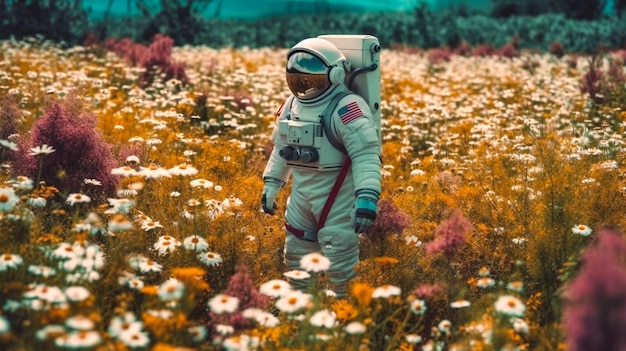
(39, 171)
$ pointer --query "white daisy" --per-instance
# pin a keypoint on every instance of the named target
(77, 293)
(183, 170)
(134, 338)
(166, 244)
(10, 261)
(418, 306)
(79, 339)
(210, 258)
(195, 243)
(144, 264)
(50, 331)
(520, 326)
(8, 199)
(222, 303)
(386, 291)
(126, 322)
(124, 171)
(41, 150)
(510, 306)
(323, 318)
(198, 332)
(581, 229)
(315, 262)
(413, 240)
(293, 301)
(154, 172)
(460, 304)
(224, 329)
(297, 275)
(266, 319)
(354, 328)
(517, 286)
(275, 288)
(43, 271)
(5, 326)
(413, 338)
(119, 223)
(77, 198)
(485, 282)
(94, 182)
(172, 289)
(80, 322)
(444, 326)
(149, 225)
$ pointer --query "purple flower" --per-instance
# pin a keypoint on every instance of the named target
(80, 150)
(509, 51)
(438, 55)
(483, 50)
(616, 74)
(593, 82)
(158, 54)
(9, 115)
(557, 49)
(450, 235)
(594, 312)
(425, 291)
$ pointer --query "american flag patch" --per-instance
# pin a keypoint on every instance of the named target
(350, 112)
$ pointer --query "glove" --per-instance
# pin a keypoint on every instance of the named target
(270, 191)
(365, 213)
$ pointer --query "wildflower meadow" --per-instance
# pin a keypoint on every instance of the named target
(130, 215)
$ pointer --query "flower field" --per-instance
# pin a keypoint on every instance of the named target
(130, 205)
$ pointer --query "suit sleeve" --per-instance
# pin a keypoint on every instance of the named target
(276, 168)
(355, 127)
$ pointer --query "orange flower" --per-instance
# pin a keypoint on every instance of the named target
(167, 347)
(362, 293)
(344, 310)
(188, 273)
(385, 260)
(150, 290)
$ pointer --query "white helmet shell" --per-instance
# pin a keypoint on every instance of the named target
(315, 67)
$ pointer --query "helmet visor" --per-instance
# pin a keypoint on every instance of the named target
(307, 75)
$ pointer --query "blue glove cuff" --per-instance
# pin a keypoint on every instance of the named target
(274, 180)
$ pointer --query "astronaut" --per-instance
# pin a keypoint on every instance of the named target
(315, 154)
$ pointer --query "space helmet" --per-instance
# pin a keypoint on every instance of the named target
(314, 68)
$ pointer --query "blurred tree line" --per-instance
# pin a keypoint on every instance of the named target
(575, 9)
(187, 22)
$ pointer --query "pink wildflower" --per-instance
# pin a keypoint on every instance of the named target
(389, 220)
(594, 312)
(450, 235)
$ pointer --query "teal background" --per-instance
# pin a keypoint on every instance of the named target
(250, 9)
(253, 9)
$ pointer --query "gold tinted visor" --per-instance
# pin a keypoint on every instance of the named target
(307, 75)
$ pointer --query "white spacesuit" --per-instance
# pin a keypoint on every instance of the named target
(314, 154)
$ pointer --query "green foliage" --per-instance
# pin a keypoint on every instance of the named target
(59, 20)
(577, 25)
